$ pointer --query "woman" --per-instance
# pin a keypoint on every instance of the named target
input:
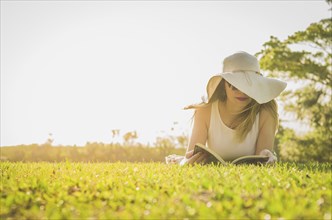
(240, 116)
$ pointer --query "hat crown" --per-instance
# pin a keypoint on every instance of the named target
(240, 61)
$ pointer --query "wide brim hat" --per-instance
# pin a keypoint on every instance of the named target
(242, 71)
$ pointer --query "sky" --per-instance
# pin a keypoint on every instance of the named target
(80, 69)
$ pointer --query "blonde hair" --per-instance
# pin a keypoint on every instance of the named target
(246, 118)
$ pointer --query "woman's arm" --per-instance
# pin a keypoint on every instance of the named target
(200, 129)
(199, 133)
(266, 136)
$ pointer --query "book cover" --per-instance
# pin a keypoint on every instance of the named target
(213, 157)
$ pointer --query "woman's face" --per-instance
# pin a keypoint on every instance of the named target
(235, 96)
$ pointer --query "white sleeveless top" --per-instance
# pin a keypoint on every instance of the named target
(222, 138)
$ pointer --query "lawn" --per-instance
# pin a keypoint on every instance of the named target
(158, 191)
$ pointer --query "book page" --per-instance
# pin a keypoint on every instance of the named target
(213, 156)
(251, 159)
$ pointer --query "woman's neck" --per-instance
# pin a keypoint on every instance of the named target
(228, 114)
(232, 109)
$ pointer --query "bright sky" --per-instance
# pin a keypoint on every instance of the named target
(79, 69)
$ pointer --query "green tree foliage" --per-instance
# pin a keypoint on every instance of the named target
(305, 58)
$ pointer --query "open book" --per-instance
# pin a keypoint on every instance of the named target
(215, 158)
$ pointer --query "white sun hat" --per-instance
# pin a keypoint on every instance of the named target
(242, 71)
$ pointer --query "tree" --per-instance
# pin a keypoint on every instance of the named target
(49, 141)
(130, 137)
(306, 57)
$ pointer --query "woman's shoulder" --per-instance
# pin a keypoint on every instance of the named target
(265, 116)
(202, 114)
(203, 110)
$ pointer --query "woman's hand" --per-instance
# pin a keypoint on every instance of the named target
(272, 158)
(197, 158)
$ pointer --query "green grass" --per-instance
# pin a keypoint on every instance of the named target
(159, 191)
